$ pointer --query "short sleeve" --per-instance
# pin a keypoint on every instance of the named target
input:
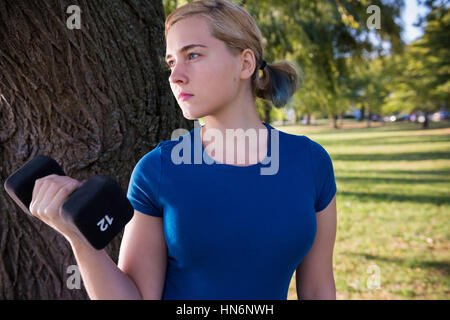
(143, 189)
(325, 184)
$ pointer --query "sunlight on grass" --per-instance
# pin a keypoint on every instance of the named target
(393, 205)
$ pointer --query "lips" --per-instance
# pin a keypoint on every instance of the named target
(184, 96)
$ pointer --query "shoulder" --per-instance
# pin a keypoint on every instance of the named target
(318, 152)
(292, 142)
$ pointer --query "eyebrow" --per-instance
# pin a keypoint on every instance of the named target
(186, 48)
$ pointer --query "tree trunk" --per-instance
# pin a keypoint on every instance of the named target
(335, 121)
(308, 119)
(96, 99)
(426, 123)
(369, 118)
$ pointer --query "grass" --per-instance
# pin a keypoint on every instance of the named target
(393, 205)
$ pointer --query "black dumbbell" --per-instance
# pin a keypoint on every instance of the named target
(97, 211)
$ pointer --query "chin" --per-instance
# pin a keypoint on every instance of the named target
(190, 117)
(192, 114)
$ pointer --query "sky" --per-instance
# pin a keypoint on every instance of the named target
(410, 15)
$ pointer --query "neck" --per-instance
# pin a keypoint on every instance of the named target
(241, 114)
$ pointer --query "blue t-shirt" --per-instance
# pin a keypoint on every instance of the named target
(233, 232)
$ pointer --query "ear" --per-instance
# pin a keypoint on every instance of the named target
(248, 64)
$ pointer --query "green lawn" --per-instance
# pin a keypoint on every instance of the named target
(393, 209)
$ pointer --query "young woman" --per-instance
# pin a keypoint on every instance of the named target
(219, 228)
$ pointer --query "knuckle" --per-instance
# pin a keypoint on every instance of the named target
(67, 188)
(50, 213)
(47, 211)
(71, 181)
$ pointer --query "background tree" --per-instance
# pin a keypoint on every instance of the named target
(96, 99)
(422, 83)
(319, 37)
(367, 87)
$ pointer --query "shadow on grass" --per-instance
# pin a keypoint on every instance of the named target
(402, 126)
(381, 180)
(392, 140)
(441, 266)
(442, 172)
(409, 156)
(386, 127)
(389, 197)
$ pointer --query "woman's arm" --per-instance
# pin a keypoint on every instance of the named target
(314, 275)
(143, 254)
(140, 272)
(101, 276)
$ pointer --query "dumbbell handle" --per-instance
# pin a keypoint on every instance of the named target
(20, 184)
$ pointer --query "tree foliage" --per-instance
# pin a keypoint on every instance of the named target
(423, 72)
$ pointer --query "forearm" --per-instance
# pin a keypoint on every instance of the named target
(102, 278)
(324, 292)
(318, 295)
(320, 289)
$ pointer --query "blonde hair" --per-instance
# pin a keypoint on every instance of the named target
(234, 26)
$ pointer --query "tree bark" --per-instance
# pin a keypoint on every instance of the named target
(96, 99)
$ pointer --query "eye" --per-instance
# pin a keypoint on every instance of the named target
(192, 53)
(170, 62)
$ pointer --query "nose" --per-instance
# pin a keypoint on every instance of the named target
(178, 74)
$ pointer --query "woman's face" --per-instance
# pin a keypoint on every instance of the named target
(201, 66)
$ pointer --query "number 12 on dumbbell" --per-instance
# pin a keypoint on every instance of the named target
(103, 226)
(84, 210)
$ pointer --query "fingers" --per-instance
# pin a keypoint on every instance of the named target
(57, 200)
(39, 188)
(49, 194)
(44, 211)
(42, 186)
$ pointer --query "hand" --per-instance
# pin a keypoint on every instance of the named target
(49, 194)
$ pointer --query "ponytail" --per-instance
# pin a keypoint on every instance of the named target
(278, 83)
